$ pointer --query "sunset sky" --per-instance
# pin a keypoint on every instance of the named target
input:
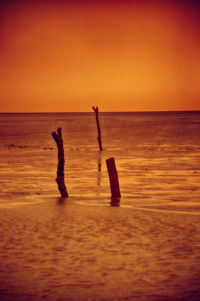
(120, 55)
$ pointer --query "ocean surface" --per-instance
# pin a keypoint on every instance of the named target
(82, 248)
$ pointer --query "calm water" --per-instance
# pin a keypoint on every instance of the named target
(84, 249)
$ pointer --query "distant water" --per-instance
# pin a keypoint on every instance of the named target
(157, 156)
(83, 249)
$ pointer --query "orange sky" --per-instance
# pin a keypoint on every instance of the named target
(122, 56)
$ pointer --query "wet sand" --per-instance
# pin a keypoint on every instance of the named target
(77, 250)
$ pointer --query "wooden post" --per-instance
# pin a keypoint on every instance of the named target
(113, 177)
(61, 161)
(96, 110)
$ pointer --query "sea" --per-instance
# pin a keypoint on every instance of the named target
(85, 247)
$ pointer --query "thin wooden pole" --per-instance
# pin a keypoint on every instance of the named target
(113, 177)
(61, 161)
(96, 110)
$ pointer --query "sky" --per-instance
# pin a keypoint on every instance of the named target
(66, 56)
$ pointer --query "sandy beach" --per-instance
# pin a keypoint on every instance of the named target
(75, 250)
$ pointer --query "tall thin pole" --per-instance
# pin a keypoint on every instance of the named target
(96, 110)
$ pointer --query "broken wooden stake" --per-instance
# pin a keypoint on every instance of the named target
(61, 161)
(96, 110)
(114, 182)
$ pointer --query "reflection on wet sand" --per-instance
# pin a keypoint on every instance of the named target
(61, 201)
(99, 170)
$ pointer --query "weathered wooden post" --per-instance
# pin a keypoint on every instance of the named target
(96, 110)
(61, 161)
(114, 182)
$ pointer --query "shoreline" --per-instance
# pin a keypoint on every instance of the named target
(181, 207)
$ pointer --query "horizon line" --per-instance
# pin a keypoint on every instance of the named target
(75, 112)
